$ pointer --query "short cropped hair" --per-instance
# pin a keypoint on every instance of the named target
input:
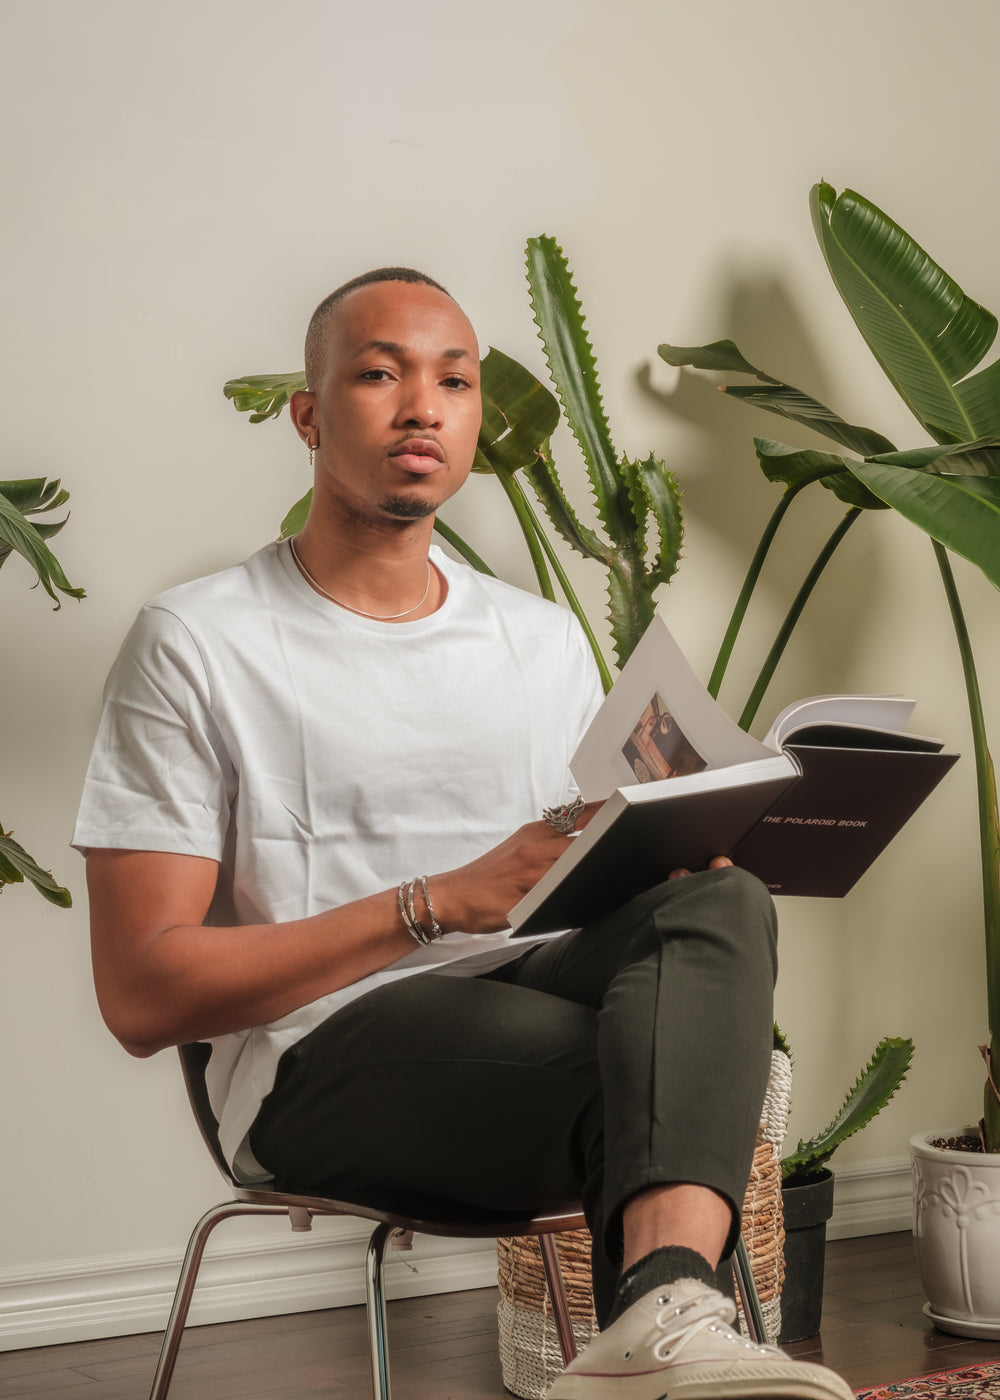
(320, 321)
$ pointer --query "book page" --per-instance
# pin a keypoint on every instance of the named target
(658, 722)
(887, 712)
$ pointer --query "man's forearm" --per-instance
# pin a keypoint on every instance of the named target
(163, 977)
(164, 982)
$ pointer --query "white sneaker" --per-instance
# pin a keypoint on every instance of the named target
(677, 1343)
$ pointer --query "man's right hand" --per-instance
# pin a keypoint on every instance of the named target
(476, 898)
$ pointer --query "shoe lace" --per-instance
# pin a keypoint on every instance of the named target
(708, 1311)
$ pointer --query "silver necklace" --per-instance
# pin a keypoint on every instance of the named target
(376, 617)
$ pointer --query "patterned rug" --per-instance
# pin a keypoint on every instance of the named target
(980, 1382)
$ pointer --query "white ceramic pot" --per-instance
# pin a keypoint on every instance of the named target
(956, 1229)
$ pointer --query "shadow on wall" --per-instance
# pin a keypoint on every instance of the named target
(727, 493)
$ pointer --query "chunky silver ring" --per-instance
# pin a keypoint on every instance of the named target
(563, 818)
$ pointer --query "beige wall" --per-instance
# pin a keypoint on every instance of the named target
(184, 181)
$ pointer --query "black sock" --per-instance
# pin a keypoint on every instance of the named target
(664, 1265)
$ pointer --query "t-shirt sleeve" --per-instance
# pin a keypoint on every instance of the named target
(160, 777)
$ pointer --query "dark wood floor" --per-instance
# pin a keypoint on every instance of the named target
(444, 1348)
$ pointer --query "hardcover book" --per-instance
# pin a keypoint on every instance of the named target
(807, 810)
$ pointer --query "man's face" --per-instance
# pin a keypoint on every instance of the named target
(397, 408)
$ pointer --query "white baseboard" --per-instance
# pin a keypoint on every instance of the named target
(248, 1275)
(872, 1198)
(244, 1276)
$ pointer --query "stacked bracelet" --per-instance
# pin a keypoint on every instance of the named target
(405, 900)
(436, 930)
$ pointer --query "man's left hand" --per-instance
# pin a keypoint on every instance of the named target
(716, 863)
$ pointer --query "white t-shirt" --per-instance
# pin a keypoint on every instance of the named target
(320, 757)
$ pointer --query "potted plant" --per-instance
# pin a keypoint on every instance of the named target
(931, 341)
(18, 500)
(807, 1186)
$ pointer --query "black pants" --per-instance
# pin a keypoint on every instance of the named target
(634, 1052)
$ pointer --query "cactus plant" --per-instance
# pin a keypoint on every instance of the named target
(870, 1093)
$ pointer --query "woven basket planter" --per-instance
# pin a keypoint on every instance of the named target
(530, 1356)
(763, 1225)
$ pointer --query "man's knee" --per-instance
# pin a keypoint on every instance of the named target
(746, 891)
(729, 888)
(728, 909)
(747, 911)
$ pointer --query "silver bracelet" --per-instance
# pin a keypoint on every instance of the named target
(411, 913)
(436, 930)
(404, 898)
(407, 908)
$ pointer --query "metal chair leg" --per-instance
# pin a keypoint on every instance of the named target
(375, 1301)
(185, 1287)
(557, 1296)
(743, 1275)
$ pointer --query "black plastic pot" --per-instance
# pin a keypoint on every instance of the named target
(807, 1208)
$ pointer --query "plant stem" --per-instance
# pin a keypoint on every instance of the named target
(792, 617)
(989, 824)
(465, 550)
(529, 529)
(746, 593)
(567, 588)
(753, 575)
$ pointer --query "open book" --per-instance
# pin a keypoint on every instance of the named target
(807, 811)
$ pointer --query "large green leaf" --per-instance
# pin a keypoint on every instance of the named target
(797, 466)
(34, 494)
(519, 416)
(924, 331)
(799, 407)
(296, 517)
(722, 355)
(783, 399)
(18, 533)
(978, 485)
(263, 396)
(980, 458)
(563, 331)
(16, 866)
(964, 520)
(873, 1089)
(791, 403)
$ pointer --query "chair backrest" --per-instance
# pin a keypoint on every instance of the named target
(194, 1063)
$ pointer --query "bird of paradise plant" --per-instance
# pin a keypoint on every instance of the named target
(931, 340)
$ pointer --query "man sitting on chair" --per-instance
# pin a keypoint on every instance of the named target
(298, 824)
